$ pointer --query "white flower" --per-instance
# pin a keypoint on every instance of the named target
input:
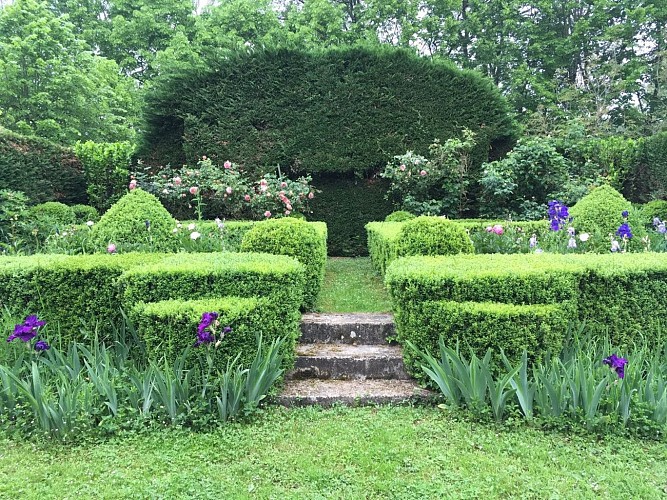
(194, 235)
(64, 233)
(179, 225)
(175, 230)
(572, 243)
(191, 227)
(584, 237)
(89, 223)
(539, 250)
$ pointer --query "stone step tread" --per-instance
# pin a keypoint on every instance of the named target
(348, 318)
(350, 392)
(362, 351)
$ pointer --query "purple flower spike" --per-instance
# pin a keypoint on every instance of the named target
(33, 322)
(624, 231)
(207, 319)
(625, 214)
(42, 346)
(23, 332)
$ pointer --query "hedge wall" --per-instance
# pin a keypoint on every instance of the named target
(346, 204)
(168, 327)
(42, 170)
(341, 110)
(616, 293)
(647, 179)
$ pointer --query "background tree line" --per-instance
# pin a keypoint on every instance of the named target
(76, 70)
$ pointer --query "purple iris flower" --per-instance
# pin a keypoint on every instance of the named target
(617, 364)
(207, 319)
(27, 330)
(42, 346)
(624, 231)
(33, 321)
(625, 214)
(204, 337)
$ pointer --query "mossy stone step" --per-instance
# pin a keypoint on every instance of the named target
(346, 328)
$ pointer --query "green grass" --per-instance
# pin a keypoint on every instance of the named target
(352, 285)
(383, 452)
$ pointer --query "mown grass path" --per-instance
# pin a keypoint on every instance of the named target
(352, 285)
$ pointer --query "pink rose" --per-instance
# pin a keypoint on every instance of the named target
(228, 190)
(111, 248)
(422, 173)
(498, 229)
(489, 229)
(227, 164)
(203, 157)
(267, 214)
(133, 184)
(311, 195)
(246, 197)
(177, 181)
(287, 212)
(283, 184)
(262, 182)
(402, 168)
(194, 190)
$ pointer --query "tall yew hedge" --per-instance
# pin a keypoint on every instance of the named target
(341, 110)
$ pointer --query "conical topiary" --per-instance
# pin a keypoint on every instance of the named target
(137, 221)
(601, 211)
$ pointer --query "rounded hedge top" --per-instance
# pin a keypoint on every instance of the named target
(427, 235)
(399, 216)
(138, 219)
(296, 238)
(600, 211)
(53, 211)
(339, 110)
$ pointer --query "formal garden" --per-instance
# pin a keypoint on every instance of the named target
(184, 187)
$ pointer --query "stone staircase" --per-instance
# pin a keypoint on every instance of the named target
(345, 358)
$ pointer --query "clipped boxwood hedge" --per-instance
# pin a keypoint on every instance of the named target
(67, 290)
(296, 238)
(619, 293)
(482, 325)
(169, 327)
(207, 275)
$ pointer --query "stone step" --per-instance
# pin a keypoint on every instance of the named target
(342, 361)
(346, 328)
(350, 392)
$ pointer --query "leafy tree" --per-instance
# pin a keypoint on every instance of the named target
(52, 86)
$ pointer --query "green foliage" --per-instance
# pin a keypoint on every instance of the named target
(295, 238)
(571, 383)
(210, 275)
(40, 169)
(84, 213)
(432, 236)
(399, 216)
(438, 185)
(520, 185)
(384, 102)
(647, 179)
(52, 211)
(13, 208)
(68, 291)
(480, 326)
(54, 87)
(382, 247)
(106, 168)
(346, 204)
(618, 293)
(169, 327)
(138, 218)
(600, 210)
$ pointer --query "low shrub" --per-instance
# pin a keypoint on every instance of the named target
(84, 213)
(169, 327)
(615, 292)
(432, 236)
(296, 238)
(600, 210)
(399, 216)
(535, 329)
(137, 221)
(68, 291)
(210, 275)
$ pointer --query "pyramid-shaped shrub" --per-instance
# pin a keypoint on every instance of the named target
(137, 221)
(600, 211)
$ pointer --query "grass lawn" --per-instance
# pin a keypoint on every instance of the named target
(383, 452)
(352, 285)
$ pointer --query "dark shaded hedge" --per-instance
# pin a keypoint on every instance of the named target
(341, 110)
(346, 204)
(648, 177)
(42, 170)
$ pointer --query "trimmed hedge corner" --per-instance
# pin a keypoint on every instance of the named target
(296, 238)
